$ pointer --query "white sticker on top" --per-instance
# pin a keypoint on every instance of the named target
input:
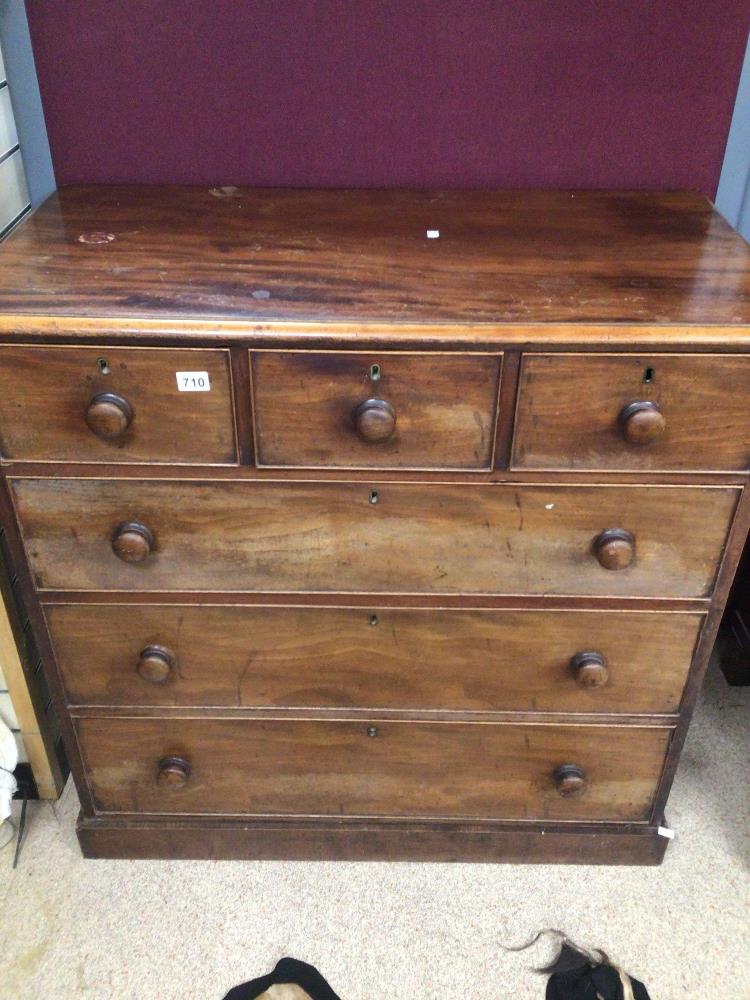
(193, 381)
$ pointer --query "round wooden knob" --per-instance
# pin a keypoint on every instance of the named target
(109, 416)
(132, 542)
(589, 669)
(155, 664)
(642, 422)
(614, 548)
(375, 420)
(570, 780)
(173, 772)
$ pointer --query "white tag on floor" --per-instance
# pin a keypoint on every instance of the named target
(664, 831)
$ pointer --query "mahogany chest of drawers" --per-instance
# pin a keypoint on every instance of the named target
(374, 524)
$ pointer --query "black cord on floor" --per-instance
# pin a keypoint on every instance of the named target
(23, 787)
(21, 827)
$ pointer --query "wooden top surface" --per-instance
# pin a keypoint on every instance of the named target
(273, 255)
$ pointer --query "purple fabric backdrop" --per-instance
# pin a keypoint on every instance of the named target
(572, 93)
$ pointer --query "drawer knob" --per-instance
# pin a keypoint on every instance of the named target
(589, 669)
(109, 416)
(132, 542)
(570, 780)
(642, 422)
(614, 548)
(173, 772)
(375, 420)
(155, 664)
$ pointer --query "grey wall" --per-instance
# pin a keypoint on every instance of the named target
(27, 104)
(733, 195)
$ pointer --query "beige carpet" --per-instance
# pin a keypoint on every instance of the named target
(181, 930)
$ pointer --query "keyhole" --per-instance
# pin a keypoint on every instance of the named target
(102, 365)
(374, 496)
(373, 619)
(649, 375)
(374, 373)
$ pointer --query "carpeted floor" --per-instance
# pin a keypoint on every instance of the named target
(181, 930)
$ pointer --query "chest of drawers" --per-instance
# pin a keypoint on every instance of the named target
(341, 540)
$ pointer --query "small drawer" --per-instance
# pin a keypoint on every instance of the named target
(431, 538)
(116, 404)
(371, 768)
(633, 412)
(389, 658)
(381, 410)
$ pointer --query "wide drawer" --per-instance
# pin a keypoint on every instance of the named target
(657, 412)
(383, 410)
(390, 658)
(369, 768)
(116, 404)
(333, 537)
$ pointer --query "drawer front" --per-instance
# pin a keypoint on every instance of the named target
(331, 537)
(552, 661)
(577, 412)
(345, 768)
(356, 410)
(113, 404)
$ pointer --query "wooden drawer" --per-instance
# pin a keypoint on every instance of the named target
(370, 768)
(331, 537)
(405, 658)
(573, 412)
(383, 410)
(48, 413)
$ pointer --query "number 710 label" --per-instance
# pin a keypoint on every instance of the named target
(193, 381)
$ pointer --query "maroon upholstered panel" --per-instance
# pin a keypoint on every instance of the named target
(575, 93)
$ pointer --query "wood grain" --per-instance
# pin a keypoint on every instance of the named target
(214, 838)
(514, 256)
(240, 653)
(230, 473)
(45, 391)
(373, 658)
(242, 405)
(569, 407)
(28, 604)
(737, 539)
(279, 767)
(480, 602)
(417, 538)
(444, 407)
(34, 727)
(317, 335)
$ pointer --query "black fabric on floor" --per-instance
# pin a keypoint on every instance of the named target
(583, 981)
(580, 980)
(288, 970)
